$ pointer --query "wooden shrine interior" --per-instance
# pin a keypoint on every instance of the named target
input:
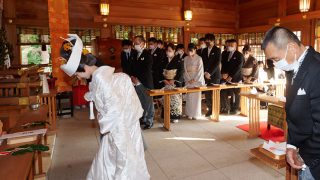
(218, 16)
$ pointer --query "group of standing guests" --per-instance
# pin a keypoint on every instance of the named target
(169, 67)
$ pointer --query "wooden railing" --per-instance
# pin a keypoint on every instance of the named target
(18, 89)
(50, 100)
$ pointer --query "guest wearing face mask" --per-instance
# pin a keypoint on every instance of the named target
(302, 66)
(211, 58)
(142, 80)
(172, 67)
(158, 56)
(127, 57)
(231, 67)
(224, 104)
(180, 51)
(249, 68)
(202, 46)
(225, 51)
(194, 77)
(160, 44)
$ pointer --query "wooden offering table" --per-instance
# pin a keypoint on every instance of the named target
(254, 110)
(17, 167)
(215, 97)
(22, 166)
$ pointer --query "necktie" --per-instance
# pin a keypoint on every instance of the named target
(289, 76)
(230, 55)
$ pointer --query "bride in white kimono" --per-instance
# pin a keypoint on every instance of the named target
(194, 77)
(121, 153)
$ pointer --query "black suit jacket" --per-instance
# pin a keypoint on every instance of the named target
(158, 57)
(142, 68)
(200, 51)
(233, 66)
(303, 111)
(211, 64)
(182, 57)
(126, 62)
(175, 63)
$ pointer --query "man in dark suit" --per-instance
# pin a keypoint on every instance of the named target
(127, 57)
(160, 45)
(158, 56)
(231, 73)
(180, 51)
(142, 79)
(211, 57)
(302, 65)
(202, 46)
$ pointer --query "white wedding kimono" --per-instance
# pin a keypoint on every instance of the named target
(121, 153)
(193, 70)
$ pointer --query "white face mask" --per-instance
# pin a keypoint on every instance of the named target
(126, 50)
(151, 47)
(283, 64)
(138, 48)
(159, 46)
(231, 49)
(202, 46)
(180, 52)
(170, 54)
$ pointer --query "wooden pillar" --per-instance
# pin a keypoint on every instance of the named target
(282, 8)
(237, 24)
(106, 32)
(9, 14)
(186, 37)
(186, 29)
(59, 27)
(167, 112)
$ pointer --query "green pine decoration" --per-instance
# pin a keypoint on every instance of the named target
(5, 47)
(35, 124)
(27, 148)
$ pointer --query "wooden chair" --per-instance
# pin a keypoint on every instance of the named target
(65, 103)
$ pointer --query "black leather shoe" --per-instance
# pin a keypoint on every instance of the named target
(208, 114)
(234, 112)
(224, 111)
(147, 127)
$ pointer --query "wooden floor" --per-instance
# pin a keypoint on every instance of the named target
(193, 149)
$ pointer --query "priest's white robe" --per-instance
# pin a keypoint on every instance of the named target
(121, 153)
(193, 70)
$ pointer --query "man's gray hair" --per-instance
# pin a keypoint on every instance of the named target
(280, 37)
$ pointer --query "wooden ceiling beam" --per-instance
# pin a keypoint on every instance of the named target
(200, 29)
(254, 29)
(140, 21)
(296, 17)
(74, 23)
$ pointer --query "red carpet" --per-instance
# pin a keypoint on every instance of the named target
(274, 134)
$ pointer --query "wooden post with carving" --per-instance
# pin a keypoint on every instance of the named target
(59, 27)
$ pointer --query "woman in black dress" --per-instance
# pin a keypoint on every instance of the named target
(172, 67)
